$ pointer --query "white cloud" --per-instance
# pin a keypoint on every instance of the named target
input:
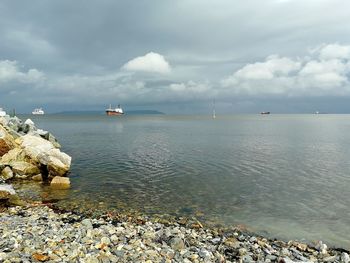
(10, 71)
(335, 51)
(151, 62)
(325, 73)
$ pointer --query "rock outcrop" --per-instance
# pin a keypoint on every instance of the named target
(30, 153)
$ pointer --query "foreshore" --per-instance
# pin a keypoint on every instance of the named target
(38, 233)
(41, 232)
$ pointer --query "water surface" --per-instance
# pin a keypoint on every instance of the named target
(284, 175)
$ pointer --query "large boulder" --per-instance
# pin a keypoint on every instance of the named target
(58, 163)
(16, 154)
(35, 147)
(24, 168)
(59, 182)
(45, 153)
(29, 151)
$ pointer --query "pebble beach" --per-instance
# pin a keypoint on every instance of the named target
(37, 233)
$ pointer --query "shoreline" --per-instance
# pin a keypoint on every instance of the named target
(42, 232)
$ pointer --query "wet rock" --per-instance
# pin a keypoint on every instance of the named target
(59, 182)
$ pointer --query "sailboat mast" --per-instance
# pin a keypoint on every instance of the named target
(214, 115)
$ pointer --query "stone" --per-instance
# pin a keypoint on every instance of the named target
(345, 257)
(330, 259)
(35, 147)
(58, 162)
(40, 257)
(177, 243)
(59, 182)
(6, 141)
(24, 168)
(29, 122)
(322, 248)
(16, 154)
(7, 173)
(37, 178)
(6, 190)
(15, 200)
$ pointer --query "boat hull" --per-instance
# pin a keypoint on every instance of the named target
(113, 113)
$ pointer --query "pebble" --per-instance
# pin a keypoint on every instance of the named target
(39, 234)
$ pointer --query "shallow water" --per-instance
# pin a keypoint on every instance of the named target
(283, 175)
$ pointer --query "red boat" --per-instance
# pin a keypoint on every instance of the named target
(116, 111)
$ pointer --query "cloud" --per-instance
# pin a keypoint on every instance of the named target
(9, 71)
(334, 51)
(326, 72)
(151, 62)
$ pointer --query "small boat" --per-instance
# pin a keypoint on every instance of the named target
(265, 112)
(116, 111)
(2, 113)
(38, 111)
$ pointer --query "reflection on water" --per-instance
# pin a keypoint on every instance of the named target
(284, 174)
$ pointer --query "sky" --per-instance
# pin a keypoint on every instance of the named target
(176, 56)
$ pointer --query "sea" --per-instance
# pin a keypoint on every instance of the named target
(282, 176)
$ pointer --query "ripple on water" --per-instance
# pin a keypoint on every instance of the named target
(284, 174)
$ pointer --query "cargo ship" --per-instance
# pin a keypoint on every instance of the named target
(116, 111)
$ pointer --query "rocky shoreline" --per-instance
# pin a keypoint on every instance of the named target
(37, 233)
(40, 232)
(29, 153)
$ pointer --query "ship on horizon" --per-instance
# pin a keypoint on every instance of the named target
(38, 111)
(114, 111)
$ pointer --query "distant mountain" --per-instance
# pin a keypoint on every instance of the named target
(132, 112)
(140, 112)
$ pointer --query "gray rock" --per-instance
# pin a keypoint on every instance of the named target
(176, 243)
(87, 223)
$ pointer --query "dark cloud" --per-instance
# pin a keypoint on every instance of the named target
(72, 53)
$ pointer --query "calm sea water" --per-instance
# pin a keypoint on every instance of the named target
(284, 175)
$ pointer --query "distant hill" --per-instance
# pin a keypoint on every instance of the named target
(132, 112)
(140, 112)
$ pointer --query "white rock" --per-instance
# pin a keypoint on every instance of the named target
(345, 257)
(29, 122)
(36, 147)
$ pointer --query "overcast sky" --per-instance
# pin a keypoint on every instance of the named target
(285, 56)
